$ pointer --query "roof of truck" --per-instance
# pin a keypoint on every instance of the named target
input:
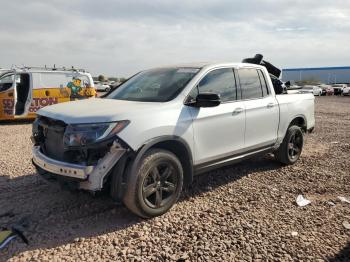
(211, 64)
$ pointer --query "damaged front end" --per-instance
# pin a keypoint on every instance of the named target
(83, 154)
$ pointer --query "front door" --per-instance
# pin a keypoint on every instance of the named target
(218, 131)
(7, 95)
(22, 94)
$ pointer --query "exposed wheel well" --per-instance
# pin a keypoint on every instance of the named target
(299, 121)
(182, 153)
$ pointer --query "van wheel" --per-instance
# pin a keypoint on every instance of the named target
(290, 149)
(157, 184)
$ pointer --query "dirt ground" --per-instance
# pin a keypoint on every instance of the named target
(245, 212)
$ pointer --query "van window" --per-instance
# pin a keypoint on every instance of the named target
(219, 81)
(6, 81)
(250, 83)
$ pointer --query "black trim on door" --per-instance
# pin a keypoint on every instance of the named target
(238, 84)
(231, 159)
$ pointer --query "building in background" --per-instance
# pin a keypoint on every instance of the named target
(327, 75)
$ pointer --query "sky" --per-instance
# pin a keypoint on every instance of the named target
(120, 38)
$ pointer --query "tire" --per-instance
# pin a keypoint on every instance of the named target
(291, 147)
(116, 184)
(107, 89)
(156, 185)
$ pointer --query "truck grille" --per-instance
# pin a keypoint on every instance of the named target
(52, 131)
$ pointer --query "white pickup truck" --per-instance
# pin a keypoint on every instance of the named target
(146, 140)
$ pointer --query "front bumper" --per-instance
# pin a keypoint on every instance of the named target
(89, 177)
(59, 167)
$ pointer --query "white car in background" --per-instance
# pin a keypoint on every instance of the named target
(338, 88)
(346, 91)
(315, 90)
(102, 87)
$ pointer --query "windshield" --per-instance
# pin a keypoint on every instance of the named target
(156, 85)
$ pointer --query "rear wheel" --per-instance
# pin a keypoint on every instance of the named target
(157, 184)
(290, 149)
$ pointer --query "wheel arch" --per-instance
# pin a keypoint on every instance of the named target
(299, 120)
(174, 144)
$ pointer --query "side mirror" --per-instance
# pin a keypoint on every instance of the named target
(205, 100)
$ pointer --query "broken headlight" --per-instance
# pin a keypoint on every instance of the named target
(86, 134)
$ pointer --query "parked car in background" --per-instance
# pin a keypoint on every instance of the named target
(147, 139)
(315, 90)
(346, 90)
(338, 88)
(324, 88)
(102, 87)
(329, 91)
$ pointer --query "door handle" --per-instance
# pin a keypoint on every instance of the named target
(270, 105)
(10, 94)
(237, 111)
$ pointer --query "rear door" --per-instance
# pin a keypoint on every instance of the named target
(218, 131)
(261, 109)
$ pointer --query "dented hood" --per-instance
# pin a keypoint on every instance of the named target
(97, 110)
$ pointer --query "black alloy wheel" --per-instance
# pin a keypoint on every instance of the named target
(295, 145)
(291, 147)
(159, 185)
(156, 185)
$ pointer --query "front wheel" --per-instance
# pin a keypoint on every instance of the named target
(157, 184)
(290, 149)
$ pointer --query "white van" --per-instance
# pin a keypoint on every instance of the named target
(23, 91)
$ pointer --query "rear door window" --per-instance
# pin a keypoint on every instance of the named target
(265, 89)
(250, 83)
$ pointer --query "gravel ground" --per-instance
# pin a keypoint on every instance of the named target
(246, 212)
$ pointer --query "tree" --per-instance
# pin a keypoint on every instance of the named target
(102, 78)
